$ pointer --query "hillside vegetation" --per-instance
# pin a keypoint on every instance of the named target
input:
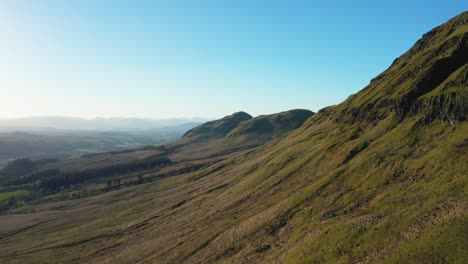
(379, 178)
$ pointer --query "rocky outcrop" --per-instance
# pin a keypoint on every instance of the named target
(437, 72)
(450, 107)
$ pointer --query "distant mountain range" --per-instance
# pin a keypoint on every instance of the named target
(101, 124)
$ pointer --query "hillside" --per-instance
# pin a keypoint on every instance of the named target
(379, 178)
(270, 126)
(237, 132)
(217, 128)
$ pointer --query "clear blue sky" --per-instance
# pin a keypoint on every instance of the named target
(172, 58)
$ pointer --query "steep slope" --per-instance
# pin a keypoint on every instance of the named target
(379, 178)
(430, 78)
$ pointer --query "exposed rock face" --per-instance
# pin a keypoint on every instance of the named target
(442, 106)
(449, 107)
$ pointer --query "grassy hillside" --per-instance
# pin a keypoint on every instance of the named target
(217, 128)
(269, 126)
(379, 178)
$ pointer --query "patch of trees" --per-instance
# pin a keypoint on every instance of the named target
(63, 180)
(19, 168)
(92, 155)
(33, 177)
(44, 182)
(54, 180)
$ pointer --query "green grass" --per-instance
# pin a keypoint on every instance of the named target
(19, 195)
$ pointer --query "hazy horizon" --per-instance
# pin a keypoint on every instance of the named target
(102, 117)
(165, 60)
(52, 123)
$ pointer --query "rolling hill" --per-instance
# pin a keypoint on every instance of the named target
(217, 128)
(270, 126)
(379, 178)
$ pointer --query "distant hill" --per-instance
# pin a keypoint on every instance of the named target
(242, 126)
(100, 124)
(270, 126)
(237, 132)
(217, 128)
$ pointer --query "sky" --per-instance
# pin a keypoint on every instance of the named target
(199, 58)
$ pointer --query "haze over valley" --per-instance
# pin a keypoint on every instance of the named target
(39, 138)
